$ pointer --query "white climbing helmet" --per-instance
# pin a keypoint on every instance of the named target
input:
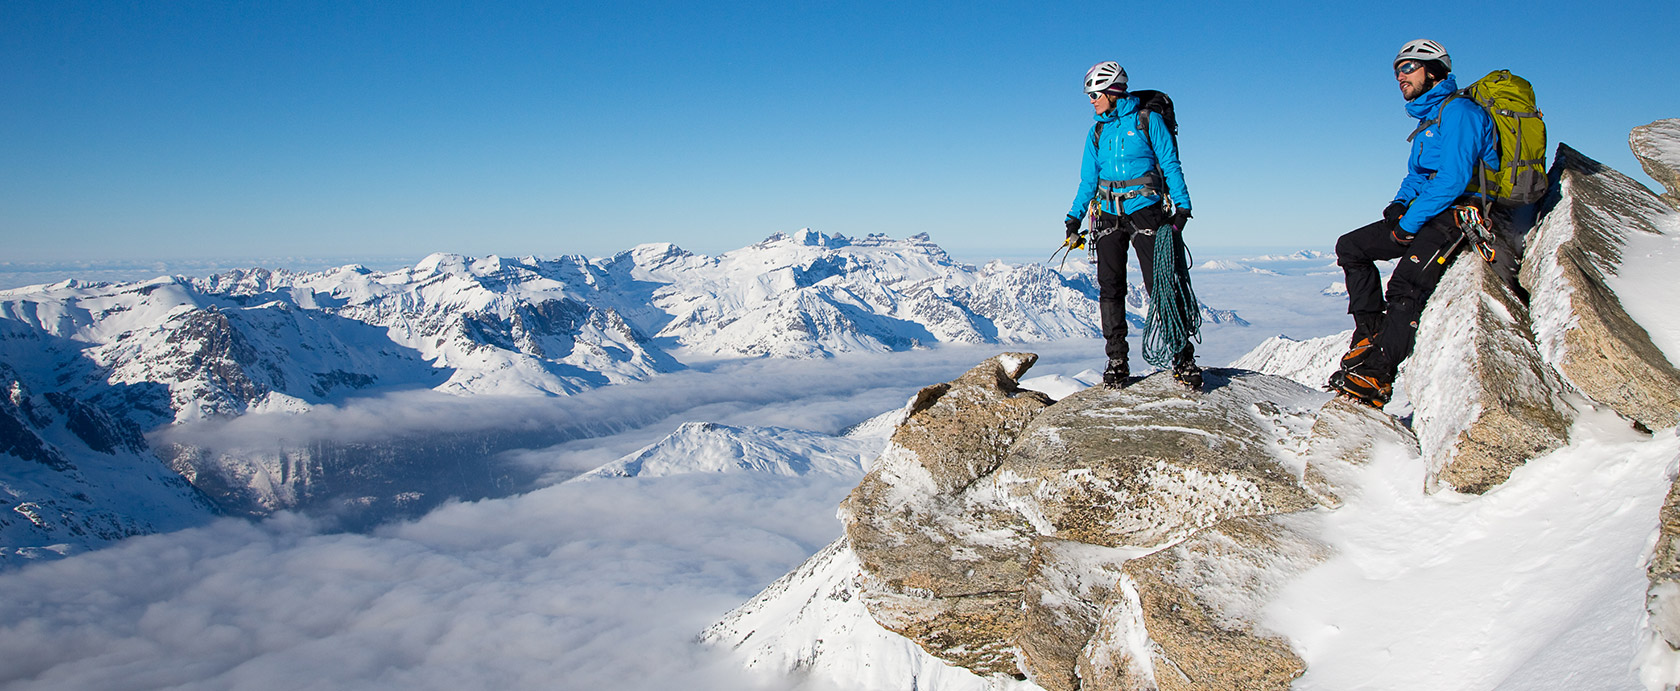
(1105, 76)
(1424, 49)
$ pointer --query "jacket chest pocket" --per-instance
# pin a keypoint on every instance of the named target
(1125, 144)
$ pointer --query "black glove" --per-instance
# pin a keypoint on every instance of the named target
(1401, 237)
(1394, 211)
(1075, 239)
(1180, 217)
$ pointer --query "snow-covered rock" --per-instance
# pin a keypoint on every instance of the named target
(897, 523)
(1604, 227)
(1187, 616)
(813, 622)
(1483, 400)
(1015, 550)
(1657, 146)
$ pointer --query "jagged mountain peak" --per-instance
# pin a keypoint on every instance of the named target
(709, 447)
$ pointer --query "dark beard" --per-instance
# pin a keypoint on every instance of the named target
(1428, 85)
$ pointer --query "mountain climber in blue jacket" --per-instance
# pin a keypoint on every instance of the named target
(1419, 226)
(1126, 171)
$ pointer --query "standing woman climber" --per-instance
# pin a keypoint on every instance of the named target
(1132, 187)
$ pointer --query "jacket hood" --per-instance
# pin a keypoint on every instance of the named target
(1123, 107)
(1426, 103)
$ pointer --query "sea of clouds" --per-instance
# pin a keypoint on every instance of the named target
(587, 585)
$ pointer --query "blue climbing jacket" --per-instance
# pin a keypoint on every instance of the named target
(1123, 154)
(1442, 167)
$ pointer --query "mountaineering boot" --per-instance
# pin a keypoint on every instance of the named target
(1367, 388)
(1358, 354)
(1186, 371)
(1114, 376)
(1363, 344)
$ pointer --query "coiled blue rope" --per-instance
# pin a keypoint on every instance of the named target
(1174, 319)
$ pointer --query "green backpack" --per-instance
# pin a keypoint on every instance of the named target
(1509, 100)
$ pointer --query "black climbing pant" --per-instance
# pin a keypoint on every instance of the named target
(1111, 273)
(1393, 314)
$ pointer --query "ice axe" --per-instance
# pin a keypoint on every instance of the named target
(1073, 242)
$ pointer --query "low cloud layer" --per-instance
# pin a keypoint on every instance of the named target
(596, 585)
(818, 395)
(587, 586)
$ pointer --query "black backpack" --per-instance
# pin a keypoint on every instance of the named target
(1149, 101)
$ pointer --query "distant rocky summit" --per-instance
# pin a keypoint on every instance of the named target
(1129, 539)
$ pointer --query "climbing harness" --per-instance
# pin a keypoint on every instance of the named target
(1149, 184)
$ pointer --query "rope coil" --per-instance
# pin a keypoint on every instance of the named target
(1174, 320)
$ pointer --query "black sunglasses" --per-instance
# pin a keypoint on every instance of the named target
(1407, 67)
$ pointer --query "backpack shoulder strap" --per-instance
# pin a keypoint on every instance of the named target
(1143, 129)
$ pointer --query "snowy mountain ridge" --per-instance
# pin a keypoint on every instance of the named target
(261, 340)
(176, 351)
(708, 447)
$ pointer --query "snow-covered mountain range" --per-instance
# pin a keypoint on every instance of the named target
(178, 351)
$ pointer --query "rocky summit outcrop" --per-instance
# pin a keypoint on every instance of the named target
(1133, 538)
(1095, 543)
(1657, 146)
(909, 518)
(1194, 605)
(1580, 323)
(1484, 402)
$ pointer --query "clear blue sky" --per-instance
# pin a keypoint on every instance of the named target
(136, 130)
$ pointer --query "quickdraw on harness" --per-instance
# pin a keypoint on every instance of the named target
(1472, 228)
